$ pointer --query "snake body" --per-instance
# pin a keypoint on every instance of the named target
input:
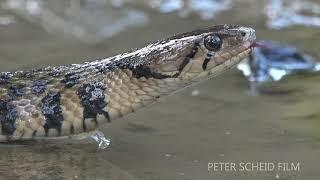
(69, 100)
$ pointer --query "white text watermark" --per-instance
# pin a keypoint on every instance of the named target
(254, 166)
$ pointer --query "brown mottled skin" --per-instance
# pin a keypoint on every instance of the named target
(69, 100)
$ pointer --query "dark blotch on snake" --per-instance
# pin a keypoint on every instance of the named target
(4, 78)
(8, 116)
(93, 101)
(52, 110)
(16, 90)
(145, 71)
(39, 87)
(70, 79)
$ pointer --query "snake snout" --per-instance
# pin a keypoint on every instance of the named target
(248, 34)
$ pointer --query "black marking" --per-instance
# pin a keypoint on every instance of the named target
(206, 61)
(137, 70)
(209, 55)
(71, 129)
(189, 57)
(34, 133)
(39, 87)
(4, 78)
(145, 71)
(93, 101)
(52, 110)
(70, 79)
(16, 90)
(8, 116)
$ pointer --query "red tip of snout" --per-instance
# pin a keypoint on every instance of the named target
(258, 44)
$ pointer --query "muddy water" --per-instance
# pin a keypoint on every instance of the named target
(177, 137)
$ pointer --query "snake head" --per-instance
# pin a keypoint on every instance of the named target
(201, 53)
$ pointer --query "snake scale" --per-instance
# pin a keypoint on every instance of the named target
(69, 100)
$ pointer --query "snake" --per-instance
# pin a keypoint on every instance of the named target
(68, 100)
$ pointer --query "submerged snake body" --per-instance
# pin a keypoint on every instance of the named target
(68, 100)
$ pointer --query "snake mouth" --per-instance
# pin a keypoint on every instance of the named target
(252, 46)
(228, 63)
(257, 44)
(240, 54)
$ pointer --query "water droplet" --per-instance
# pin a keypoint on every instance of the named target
(101, 140)
(195, 93)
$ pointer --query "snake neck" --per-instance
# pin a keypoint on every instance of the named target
(61, 103)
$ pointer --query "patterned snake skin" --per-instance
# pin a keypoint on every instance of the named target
(69, 100)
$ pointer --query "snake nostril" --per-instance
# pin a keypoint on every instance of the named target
(248, 34)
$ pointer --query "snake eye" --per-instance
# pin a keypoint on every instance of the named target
(212, 42)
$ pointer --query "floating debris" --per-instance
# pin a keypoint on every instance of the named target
(271, 61)
(284, 13)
